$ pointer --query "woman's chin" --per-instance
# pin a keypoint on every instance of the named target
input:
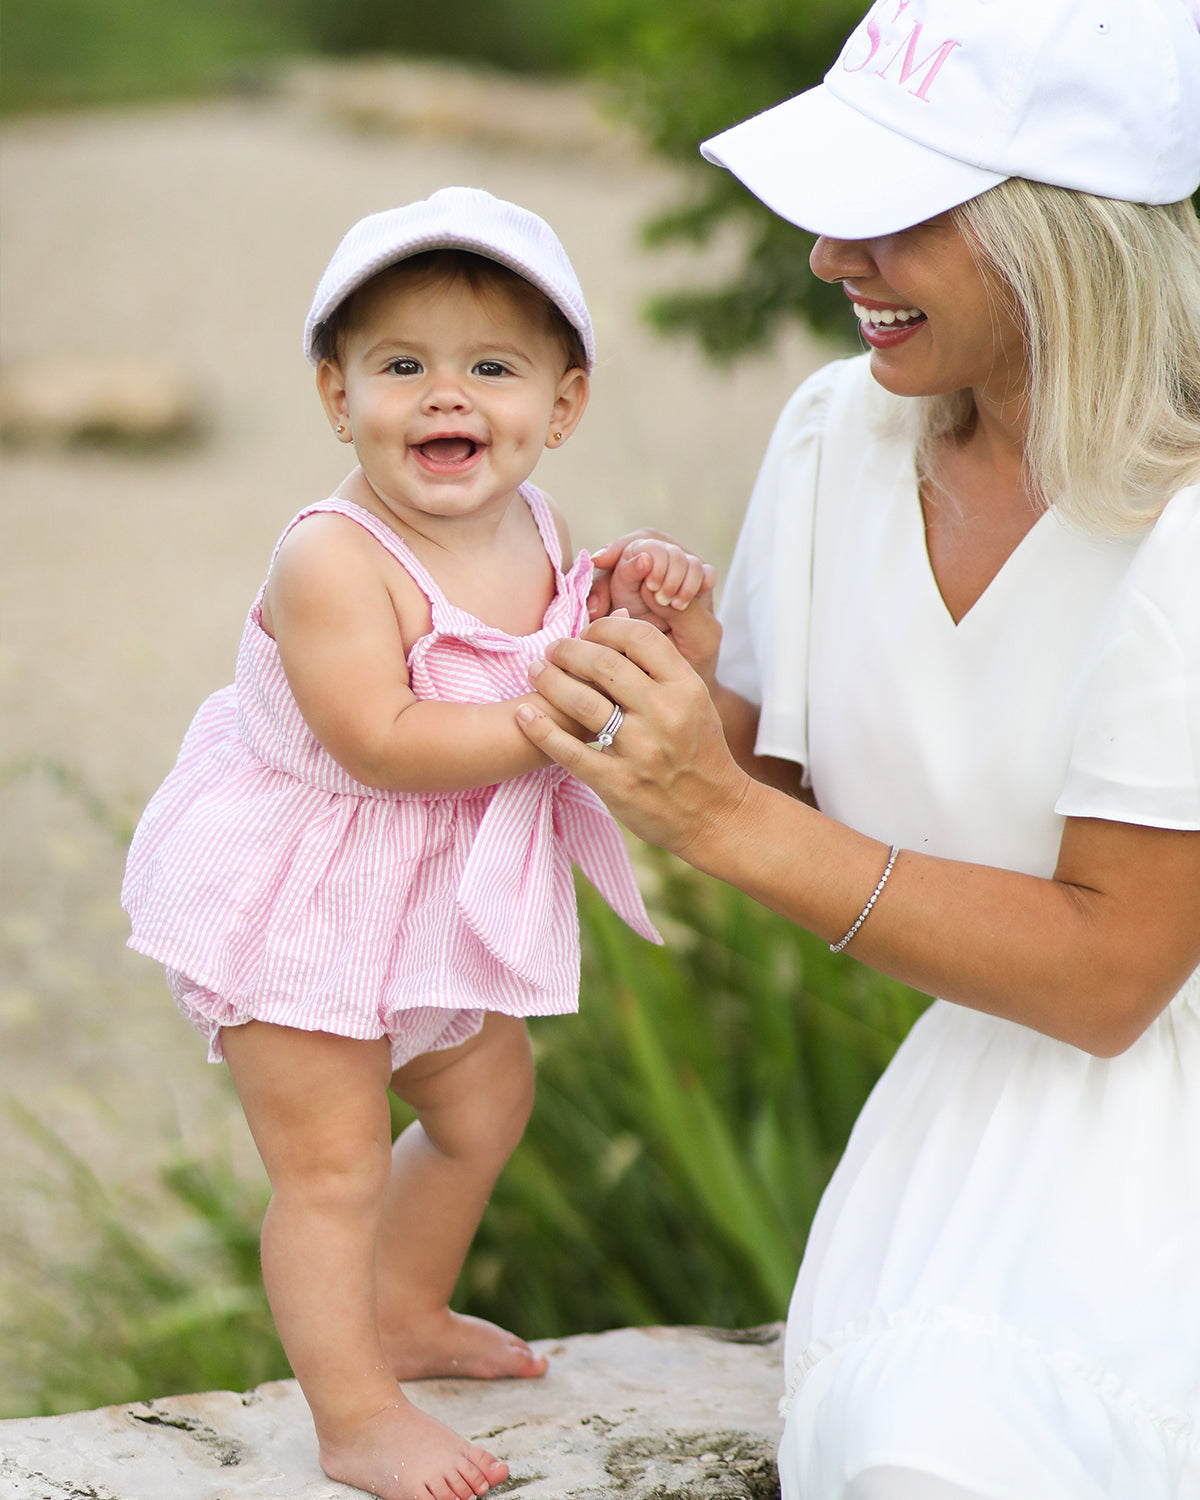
(904, 378)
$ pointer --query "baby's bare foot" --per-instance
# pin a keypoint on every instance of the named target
(454, 1344)
(402, 1454)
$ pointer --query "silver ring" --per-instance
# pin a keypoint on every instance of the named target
(609, 733)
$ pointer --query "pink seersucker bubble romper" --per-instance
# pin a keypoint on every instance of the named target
(276, 887)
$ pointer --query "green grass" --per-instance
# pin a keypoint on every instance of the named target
(130, 1298)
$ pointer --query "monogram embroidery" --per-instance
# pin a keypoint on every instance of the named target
(927, 67)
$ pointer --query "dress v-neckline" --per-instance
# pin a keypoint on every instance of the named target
(995, 584)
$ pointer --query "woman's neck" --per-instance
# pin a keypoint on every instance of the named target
(977, 503)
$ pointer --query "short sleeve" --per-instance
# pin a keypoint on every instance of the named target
(1136, 751)
(765, 604)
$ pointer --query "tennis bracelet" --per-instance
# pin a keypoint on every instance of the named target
(866, 911)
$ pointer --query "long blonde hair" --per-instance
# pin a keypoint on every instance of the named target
(1108, 294)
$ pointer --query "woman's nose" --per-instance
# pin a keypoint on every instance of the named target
(836, 260)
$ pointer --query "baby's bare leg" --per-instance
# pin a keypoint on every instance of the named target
(317, 1108)
(472, 1104)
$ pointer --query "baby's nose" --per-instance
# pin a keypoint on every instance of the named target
(446, 394)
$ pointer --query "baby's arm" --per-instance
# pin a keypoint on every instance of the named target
(653, 578)
(339, 621)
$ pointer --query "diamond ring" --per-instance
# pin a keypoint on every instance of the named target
(609, 733)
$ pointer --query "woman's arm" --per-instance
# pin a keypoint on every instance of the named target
(336, 621)
(1090, 956)
(739, 720)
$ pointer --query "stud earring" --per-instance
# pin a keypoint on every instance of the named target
(341, 427)
(558, 437)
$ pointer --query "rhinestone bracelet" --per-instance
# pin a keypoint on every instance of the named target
(866, 911)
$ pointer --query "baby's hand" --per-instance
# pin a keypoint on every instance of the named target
(647, 573)
(653, 578)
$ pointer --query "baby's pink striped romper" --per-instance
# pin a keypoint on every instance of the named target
(276, 887)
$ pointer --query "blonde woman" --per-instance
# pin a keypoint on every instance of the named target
(959, 690)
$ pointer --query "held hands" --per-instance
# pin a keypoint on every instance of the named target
(653, 578)
(668, 775)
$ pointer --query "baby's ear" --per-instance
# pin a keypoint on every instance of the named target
(570, 401)
(331, 387)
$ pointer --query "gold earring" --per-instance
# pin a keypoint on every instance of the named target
(558, 437)
(341, 427)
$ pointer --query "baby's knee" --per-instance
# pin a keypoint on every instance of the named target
(338, 1181)
(490, 1120)
(480, 1105)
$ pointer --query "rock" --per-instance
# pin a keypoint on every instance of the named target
(668, 1413)
(451, 102)
(117, 402)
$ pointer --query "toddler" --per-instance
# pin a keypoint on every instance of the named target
(358, 874)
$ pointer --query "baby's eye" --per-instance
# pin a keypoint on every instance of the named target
(490, 368)
(404, 366)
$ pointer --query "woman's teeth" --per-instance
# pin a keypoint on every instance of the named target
(877, 316)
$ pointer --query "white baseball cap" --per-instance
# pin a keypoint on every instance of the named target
(934, 101)
(453, 218)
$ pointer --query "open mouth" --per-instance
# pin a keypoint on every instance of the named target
(887, 317)
(448, 452)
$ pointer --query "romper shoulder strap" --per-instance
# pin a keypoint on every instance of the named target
(543, 517)
(389, 540)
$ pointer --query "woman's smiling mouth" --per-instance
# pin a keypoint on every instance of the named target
(883, 326)
(876, 316)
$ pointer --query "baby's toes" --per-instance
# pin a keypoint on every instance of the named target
(538, 1363)
(483, 1469)
(459, 1487)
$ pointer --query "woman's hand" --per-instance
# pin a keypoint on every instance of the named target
(668, 776)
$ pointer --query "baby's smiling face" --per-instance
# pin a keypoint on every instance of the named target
(449, 394)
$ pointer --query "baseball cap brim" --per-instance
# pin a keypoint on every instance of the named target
(832, 170)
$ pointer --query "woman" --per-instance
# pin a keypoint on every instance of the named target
(962, 630)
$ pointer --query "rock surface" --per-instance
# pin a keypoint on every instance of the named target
(670, 1413)
(67, 401)
(445, 102)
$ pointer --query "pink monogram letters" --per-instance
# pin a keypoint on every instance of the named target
(905, 50)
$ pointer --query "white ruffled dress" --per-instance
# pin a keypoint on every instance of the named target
(1001, 1290)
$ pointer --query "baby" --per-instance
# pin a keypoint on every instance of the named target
(358, 874)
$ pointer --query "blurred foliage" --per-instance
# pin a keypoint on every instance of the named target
(688, 69)
(69, 52)
(686, 1123)
(73, 52)
(529, 36)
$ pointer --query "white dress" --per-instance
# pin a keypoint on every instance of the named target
(1001, 1289)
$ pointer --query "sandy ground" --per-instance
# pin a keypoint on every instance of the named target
(195, 234)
